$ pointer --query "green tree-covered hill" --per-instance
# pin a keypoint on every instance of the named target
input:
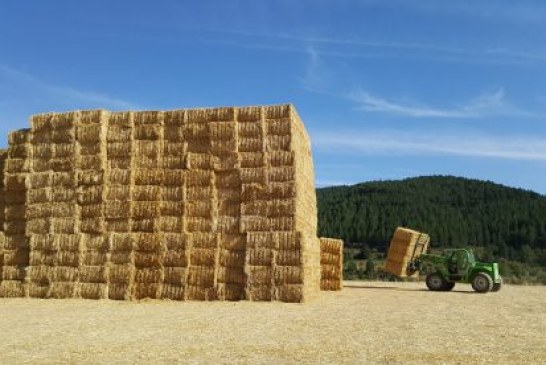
(505, 222)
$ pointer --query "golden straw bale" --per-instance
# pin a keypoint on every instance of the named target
(203, 257)
(278, 143)
(119, 149)
(171, 224)
(149, 242)
(280, 158)
(289, 275)
(148, 275)
(278, 111)
(67, 258)
(199, 224)
(118, 225)
(233, 242)
(259, 275)
(117, 210)
(62, 194)
(198, 209)
(40, 274)
(260, 256)
(289, 258)
(63, 273)
(90, 194)
(38, 290)
(253, 175)
(251, 223)
(261, 240)
(228, 224)
(143, 225)
(175, 259)
(172, 209)
(174, 162)
(12, 289)
(19, 151)
(93, 162)
(201, 276)
(119, 133)
(147, 259)
(254, 208)
(119, 193)
(142, 209)
(121, 177)
(280, 174)
(172, 292)
(15, 242)
(91, 211)
(232, 275)
(150, 149)
(175, 241)
(146, 193)
(251, 113)
(94, 258)
(93, 290)
(90, 177)
(91, 133)
(123, 163)
(281, 127)
(122, 258)
(200, 193)
(223, 130)
(65, 179)
(229, 207)
(92, 225)
(252, 159)
(251, 144)
(119, 292)
(64, 226)
(148, 176)
(18, 137)
(291, 293)
(199, 161)
(91, 149)
(12, 273)
(64, 150)
(147, 290)
(68, 242)
(150, 132)
(251, 129)
(97, 116)
(62, 290)
(282, 223)
(42, 151)
(17, 165)
(174, 117)
(121, 274)
(36, 226)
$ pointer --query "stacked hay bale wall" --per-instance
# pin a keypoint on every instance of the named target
(331, 263)
(203, 204)
(405, 244)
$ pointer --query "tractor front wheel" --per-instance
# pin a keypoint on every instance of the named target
(435, 282)
(449, 286)
(497, 286)
(482, 283)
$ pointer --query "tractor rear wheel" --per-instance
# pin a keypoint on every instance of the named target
(482, 283)
(449, 286)
(497, 286)
(435, 282)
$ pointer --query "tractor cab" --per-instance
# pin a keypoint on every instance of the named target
(459, 262)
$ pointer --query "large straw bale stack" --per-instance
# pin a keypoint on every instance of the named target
(204, 204)
(405, 244)
(331, 263)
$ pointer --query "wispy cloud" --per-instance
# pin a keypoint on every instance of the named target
(431, 144)
(64, 94)
(487, 104)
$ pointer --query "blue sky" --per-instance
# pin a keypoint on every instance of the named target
(387, 89)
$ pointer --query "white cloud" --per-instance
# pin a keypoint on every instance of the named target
(418, 143)
(487, 104)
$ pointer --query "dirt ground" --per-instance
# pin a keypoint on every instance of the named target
(390, 323)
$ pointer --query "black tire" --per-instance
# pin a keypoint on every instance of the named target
(482, 283)
(435, 282)
(449, 286)
(497, 286)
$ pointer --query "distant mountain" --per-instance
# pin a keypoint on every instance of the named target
(508, 222)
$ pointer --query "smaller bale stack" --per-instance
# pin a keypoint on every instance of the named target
(405, 245)
(331, 263)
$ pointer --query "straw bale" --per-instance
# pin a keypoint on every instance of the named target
(223, 130)
(67, 258)
(228, 224)
(172, 292)
(291, 293)
(144, 162)
(251, 144)
(143, 225)
(90, 194)
(18, 137)
(175, 259)
(118, 133)
(281, 208)
(147, 259)
(199, 224)
(118, 193)
(248, 114)
(149, 176)
(146, 193)
(94, 258)
(175, 241)
(278, 111)
(40, 274)
(253, 175)
(147, 290)
(14, 242)
(17, 165)
(122, 163)
(201, 276)
(252, 159)
(232, 275)
(230, 241)
(12, 273)
(171, 224)
(121, 177)
(41, 151)
(260, 257)
(19, 151)
(198, 209)
(47, 258)
(16, 182)
(91, 149)
(92, 225)
(252, 192)
(289, 275)
(204, 240)
(174, 148)
(280, 158)
(122, 258)
(231, 292)
(281, 127)
(63, 273)
(142, 209)
(281, 190)
(119, 291)
(64, 150)
(257, 275)
(116, 210)
(91, 211)
(64, 226)
(229, 207)
(225, 148)
(120, 242)
(149, 242)
(35, 226)
(227, 179)
(62, 194)
(68, 242)
(289, 258)
(91, 133)
(90, 177)
(39, 180)
(259, 292)
(282, 223)
(194, 132)
(171, 209)
(148, 275)
(196, 161)
(119, 149)
(174, 117)
(200, 193)
(12, 289)
(121, 274)
(43, 242)
(92, 162)
(251, 223)
(174, 133)
(174, 162)
(38, 290)
(118, 225)
(254, 208)
(203, 257)
(15, 212)
(94, 291)
(150, 149)
(66, 179)
(62, 290)
(261, 240)
(278, 143)
(280, 174)
(173, 178)
(151, 132)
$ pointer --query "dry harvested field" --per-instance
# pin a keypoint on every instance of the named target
(365, 323)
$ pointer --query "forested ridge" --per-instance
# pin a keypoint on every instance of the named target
(504, 222)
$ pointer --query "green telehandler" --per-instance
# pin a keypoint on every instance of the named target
(456, 266)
